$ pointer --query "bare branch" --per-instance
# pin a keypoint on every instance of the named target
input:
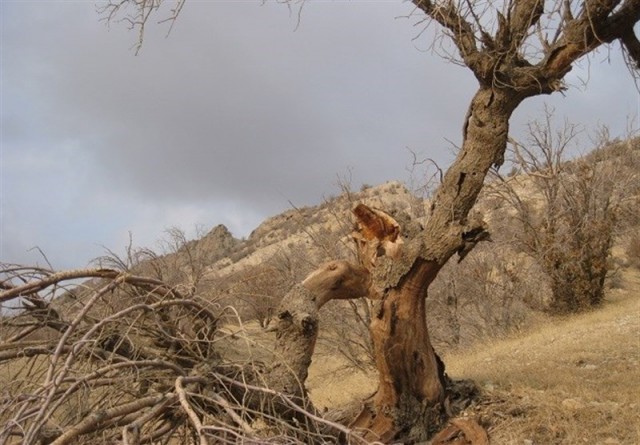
(596, 25)
(54, 278)
(101, 418)
(463, 36)
(186, 406)
(631, 44)
(523, 15)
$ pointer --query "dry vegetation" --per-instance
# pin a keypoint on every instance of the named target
(570, 380)
(130, 360)
(515, 50)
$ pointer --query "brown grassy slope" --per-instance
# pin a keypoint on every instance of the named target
(573, 380)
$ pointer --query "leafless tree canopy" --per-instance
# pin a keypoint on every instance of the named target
(529, 45)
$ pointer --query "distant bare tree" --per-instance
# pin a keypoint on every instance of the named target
(568, 211)
(179, 262)
(489, 294)
(346, 333)
(257, 290)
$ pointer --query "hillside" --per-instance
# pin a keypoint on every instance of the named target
(321, 230)
(568, 381)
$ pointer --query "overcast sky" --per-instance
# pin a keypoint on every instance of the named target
(230, 118)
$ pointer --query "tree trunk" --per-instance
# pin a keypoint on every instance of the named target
(410, 395)
(409, 403)
(297, 327)
(410, 400)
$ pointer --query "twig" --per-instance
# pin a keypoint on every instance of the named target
(195, 420)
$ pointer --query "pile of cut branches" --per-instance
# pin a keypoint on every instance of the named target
(105, 356)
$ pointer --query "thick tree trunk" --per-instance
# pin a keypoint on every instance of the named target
(298, 323)
(409, 402)
(410, 395)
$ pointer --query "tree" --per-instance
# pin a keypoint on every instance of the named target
(516, 50)
(569, 220)
(499, 53)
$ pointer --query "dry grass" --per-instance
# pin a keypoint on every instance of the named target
(571, 381)
(333, 384)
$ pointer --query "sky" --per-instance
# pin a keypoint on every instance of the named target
(242, 111)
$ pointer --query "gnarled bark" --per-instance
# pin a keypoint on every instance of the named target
(409, 402)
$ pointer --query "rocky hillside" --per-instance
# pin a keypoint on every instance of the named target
(322, 230)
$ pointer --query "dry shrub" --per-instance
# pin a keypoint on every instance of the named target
(256, 291)
(128, 359)
(569, 212)
(490, 294)
(345, 333)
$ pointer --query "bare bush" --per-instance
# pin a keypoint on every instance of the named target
(256, 291)
(490, 294)
(347, 333)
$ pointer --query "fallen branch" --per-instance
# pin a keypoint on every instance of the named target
(101, 418)
(193, 417)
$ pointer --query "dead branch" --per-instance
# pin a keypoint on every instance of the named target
(103, 418)
(186, 406)
(131, 396)
(50, 278)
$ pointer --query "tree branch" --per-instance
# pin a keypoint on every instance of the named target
(632, 46)
(186, 406)
(54, 278)
(98, 418)
(591, 29)
(462, 33)
(337, 280)
(523, 15)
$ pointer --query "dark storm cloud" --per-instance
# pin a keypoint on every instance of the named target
(235, 103)
(225, 121)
